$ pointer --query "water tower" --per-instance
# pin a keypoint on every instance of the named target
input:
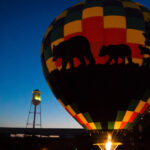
(35, 109)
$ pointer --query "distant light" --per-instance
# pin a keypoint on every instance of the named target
(20, 135)
(12, 135)
(38, 136)
(54, 136)
(17, 135)
(44, 136)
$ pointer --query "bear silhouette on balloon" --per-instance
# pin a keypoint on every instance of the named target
(116, 51)
(75, 47)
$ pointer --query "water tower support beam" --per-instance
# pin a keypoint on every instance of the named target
(34, 119)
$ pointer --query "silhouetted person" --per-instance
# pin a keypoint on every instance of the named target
(147, 38)
(75, 47)
(116, 51)
(144, 50)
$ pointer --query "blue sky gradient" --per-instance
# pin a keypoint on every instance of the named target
(22, 27)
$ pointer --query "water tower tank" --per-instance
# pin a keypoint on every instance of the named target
(36, 97)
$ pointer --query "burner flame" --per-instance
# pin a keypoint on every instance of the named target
(109, 143)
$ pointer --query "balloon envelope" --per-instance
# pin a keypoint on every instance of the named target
(95, 58)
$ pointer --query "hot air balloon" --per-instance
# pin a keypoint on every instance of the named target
(95, 59)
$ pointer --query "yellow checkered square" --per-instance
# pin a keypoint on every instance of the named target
(92, 12)
(72, 27)
(114, 22)
(135, 36)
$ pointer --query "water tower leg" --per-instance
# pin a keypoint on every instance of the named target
(40, 117)
(28, 116)
(34, 119)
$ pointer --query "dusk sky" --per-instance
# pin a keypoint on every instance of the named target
(23, 25)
